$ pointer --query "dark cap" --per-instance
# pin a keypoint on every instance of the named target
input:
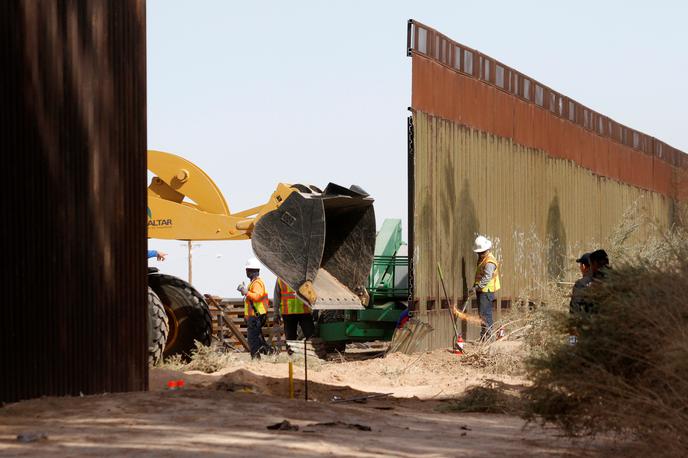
(584, 259)
(600, 257)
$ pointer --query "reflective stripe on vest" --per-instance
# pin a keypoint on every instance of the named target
(289, 303)
(261, 304)
(494, 284)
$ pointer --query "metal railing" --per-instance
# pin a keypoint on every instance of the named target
(386, 287)
(430, 43)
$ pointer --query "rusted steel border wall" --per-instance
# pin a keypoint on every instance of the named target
(73, 136)
(541, 213)
(507, 163)
(458, 83)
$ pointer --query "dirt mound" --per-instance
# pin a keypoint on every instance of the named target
(243, 380)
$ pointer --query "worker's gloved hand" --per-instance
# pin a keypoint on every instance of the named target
(242, 289)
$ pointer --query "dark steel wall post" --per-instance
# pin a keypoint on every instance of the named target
(411, 206)
(73, 139)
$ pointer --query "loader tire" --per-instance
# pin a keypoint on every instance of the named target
(158, 328)
(319, 347)
(322, 349)
(188, 314)
(327, 347)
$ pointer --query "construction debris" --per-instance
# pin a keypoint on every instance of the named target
(232, 387)
(360, 399)
(301, 347)
(284, 425)
(341, 424)
(31, 437)
(408, 339)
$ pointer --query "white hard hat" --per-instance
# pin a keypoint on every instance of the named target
(481, 244)
(252, 263)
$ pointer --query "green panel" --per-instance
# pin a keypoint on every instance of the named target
(387, 242)
(362, 329)
(332, 332)
(388, 238)
(335, 332)
(386, 314)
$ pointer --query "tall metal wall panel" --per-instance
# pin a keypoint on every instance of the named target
(73, 138)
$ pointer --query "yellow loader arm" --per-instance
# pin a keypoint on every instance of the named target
(184, 203)
(321, 243)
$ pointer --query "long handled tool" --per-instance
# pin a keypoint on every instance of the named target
(465, 304)
(449, 304)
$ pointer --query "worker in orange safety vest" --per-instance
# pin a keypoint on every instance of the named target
(292, 311)
(256, 305)
(486, 283)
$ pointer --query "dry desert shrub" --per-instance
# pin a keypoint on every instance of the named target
(628, 373)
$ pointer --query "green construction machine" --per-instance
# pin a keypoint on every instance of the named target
(388, 290)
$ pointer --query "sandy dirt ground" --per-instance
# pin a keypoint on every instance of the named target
(226, 413)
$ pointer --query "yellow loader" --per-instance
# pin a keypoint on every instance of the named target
(320, 242)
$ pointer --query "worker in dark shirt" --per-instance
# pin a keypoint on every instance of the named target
(599, 267)
(599, 264)
(577, 303)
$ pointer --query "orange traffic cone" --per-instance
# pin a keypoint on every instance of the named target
(459, 345)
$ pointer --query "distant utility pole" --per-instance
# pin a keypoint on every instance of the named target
(190, 254)
(190, 246)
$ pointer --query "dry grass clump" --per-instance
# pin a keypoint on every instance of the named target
(628, 373)
(490, 397)
(494, 363)
(529, 260)
(496, 356)
(204, 358)
(526, 328)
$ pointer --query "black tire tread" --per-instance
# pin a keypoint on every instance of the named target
(202, 320)
(322, 348)
(158, 328)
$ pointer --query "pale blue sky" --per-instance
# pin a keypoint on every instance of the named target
(259, 92)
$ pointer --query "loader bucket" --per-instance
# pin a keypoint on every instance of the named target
(321, 245)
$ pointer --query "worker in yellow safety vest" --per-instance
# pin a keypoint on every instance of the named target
(292, 311)
(486, 283)
(256, 305)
